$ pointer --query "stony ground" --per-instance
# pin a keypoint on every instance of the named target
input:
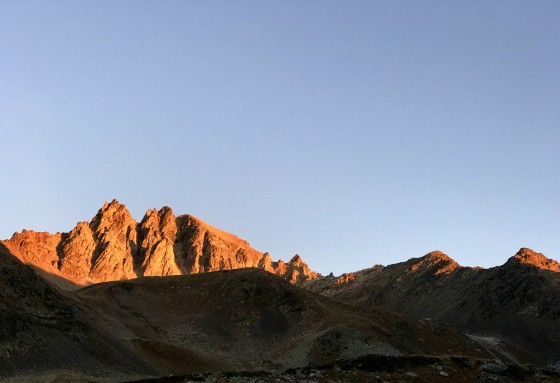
(360, 376)
(364, 370)
(401, 370)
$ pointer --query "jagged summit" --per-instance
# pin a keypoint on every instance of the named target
(434, 260)
(109, 209)
(437, 256)
(296, 260)
(113, 204)
(114, 246)
(526, 256)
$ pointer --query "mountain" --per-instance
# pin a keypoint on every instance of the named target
(237, 321)
(174, 295)
(113, 246)
(515, 306)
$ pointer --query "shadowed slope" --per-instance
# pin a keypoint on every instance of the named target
(518, 302)
(42, 330)
(248, 319)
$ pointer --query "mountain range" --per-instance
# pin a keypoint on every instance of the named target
(516, 305)
(115, 299)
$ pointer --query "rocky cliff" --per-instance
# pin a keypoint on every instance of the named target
(114, 246)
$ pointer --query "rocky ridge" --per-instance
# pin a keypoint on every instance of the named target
(514, 306)
(114, 246)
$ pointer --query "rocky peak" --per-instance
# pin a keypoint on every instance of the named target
(113, 246)
(266, 262)
(435, 260)
(35, 247)
(157, 234)
(296, 260)
(296, 271)
(115, 234)
(526, 256)
(437, 256)
(113, 215)
(161, 219)
(166, 212)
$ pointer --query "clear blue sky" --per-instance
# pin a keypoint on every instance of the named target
(350, 132)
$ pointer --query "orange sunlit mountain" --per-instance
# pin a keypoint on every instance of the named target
(113, 246)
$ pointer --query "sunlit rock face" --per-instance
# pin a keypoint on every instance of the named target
(529, 257)
(76, 251)
(156, 236)
(115, 233)
(113, 246)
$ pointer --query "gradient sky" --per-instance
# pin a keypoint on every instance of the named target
(350, 132)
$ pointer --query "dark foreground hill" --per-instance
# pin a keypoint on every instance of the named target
(249, 319)
(43, 330)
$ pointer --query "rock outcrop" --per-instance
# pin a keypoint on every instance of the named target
(156, 238)
(529, 257)
(113, 246)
